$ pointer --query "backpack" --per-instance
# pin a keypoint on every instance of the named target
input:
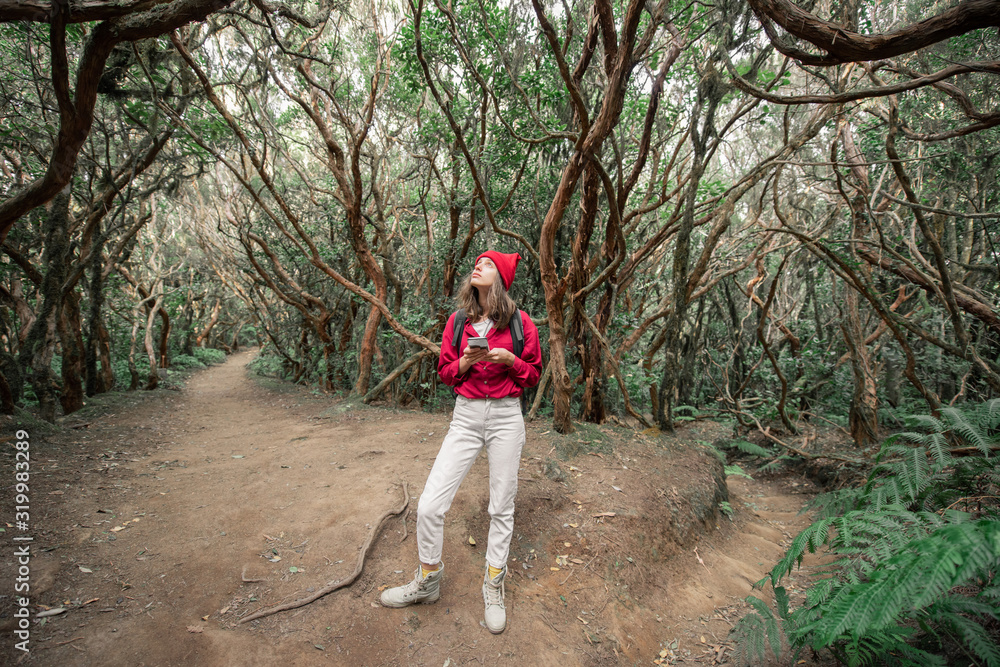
(516, 331)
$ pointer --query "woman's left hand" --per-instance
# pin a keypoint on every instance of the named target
(499, 355)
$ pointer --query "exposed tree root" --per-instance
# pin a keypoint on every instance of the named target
(337, 583)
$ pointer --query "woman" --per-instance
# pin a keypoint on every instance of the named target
(488, 383)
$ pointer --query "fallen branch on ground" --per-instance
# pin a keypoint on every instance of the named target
(394, 375)
(337, 583)
(766, 432)
(68, 641)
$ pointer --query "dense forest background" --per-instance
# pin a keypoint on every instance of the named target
(785, 214)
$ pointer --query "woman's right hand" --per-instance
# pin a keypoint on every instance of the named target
(470, 356)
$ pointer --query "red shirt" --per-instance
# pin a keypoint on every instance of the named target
(487, 379)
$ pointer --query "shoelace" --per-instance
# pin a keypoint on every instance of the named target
(414, 586)
(494, 596)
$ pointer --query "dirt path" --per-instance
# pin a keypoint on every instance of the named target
(151, 518)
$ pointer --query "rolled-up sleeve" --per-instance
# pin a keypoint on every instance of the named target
(448, 361)
(528, 367)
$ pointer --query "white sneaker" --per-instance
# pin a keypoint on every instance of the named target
(493, 593)
(422, 590)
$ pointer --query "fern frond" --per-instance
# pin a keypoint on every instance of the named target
(900, 653)
(752, 449)
(775, 465)
(811, 539)
(749, 637)
(937, 445)
(770, 624)
(916, 472)
(970, 431)
(913, 579)
(992, 593)
(926, 423)
(973, 636)
(961, 604)
(878, 535)
(820, 592)
(781, 601)
(735, 470)
(833, 503)
(991, 414)
(906, 476)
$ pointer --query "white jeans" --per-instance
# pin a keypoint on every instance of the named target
(497, 424)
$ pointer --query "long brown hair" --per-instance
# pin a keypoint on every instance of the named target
(500, 306)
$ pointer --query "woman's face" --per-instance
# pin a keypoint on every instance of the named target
(485, 273)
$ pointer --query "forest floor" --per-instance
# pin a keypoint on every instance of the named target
(160, 519)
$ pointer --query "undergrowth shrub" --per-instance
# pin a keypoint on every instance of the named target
(186, 361)
(917, 553)
(208, 355)
(267, 365)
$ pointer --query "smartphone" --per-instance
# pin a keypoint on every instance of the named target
(479, 342)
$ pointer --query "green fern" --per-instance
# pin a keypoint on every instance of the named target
(755, 632)
(908, 564)
(752, 449)
(775, 464)
(970, 429)
(712, 448)
(750, 636)
(908, 582)
(812, 538)
(991, 413)
(904, 474)
(680, 416)
(735, 470)
(834, 503)
(972, 634)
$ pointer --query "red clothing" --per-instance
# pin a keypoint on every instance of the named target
(486, 379)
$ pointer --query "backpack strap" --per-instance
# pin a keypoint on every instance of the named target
(459, 327)
(517, 333)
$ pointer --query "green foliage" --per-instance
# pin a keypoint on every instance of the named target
(209, 356)
(775, 464)
(267, 365)
(919, 575)
(752, 449)
(755, 452)
(712, 448)
(735, 470)
(685, 413)
(186, 362)
(764, 626)
(913, 578)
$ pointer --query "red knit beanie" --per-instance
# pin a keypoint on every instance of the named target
(506, 265)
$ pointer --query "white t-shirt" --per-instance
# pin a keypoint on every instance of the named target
(482, 327)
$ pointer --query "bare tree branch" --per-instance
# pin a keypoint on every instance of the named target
(79, 11)
(844, 46)
(992, 66)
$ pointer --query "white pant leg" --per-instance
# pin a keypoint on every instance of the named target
(504, 440)
(458, 452)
